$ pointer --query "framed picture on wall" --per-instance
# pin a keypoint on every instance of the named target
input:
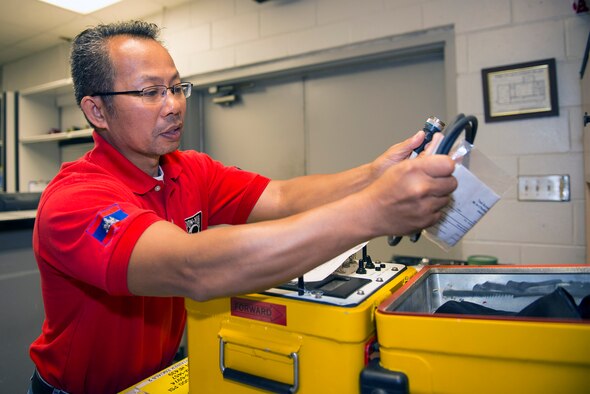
(520, 91)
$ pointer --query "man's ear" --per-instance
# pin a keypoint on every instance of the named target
(94, 109)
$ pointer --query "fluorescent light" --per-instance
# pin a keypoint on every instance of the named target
(81, 6)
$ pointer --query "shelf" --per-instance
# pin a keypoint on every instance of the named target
(52, 88)
(40, 109)
(18, 215)
(66, 135)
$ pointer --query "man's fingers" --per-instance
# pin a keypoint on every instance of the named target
(438, 165)
(403, 149)
(433, 144)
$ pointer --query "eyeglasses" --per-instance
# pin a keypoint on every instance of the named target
(157, 93)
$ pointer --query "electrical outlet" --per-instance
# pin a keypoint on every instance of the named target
(544, 188)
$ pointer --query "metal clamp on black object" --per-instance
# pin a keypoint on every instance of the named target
(433, 125)
(453, 131)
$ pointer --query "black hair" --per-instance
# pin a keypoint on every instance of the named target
(91, 67)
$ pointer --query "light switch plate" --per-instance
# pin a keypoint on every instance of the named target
(544, 188)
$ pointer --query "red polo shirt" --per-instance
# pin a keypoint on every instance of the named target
(97, 337)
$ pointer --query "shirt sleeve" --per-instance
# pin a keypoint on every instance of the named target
(231, 192)
(88, 232)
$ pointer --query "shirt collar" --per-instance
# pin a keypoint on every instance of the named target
(110, 159)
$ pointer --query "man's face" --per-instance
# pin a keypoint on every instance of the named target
(143, 131)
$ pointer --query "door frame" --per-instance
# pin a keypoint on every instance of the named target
(407, 46)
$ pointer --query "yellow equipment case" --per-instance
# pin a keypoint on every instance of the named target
(287, 339)
(173, 379)
(473, 353)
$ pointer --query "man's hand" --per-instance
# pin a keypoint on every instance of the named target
(409, 196)
(402, 151)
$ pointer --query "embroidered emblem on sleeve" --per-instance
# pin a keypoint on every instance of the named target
(106, 223)
(193, 223)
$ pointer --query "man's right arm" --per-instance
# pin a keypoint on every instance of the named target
(240, 259)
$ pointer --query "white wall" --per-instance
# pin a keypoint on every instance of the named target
(47, 66)
(213, 35)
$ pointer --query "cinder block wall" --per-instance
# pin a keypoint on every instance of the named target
(213, 35)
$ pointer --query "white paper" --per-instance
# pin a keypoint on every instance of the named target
(321, 272)
(469, 203)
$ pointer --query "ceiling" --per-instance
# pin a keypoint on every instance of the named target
(29, 26)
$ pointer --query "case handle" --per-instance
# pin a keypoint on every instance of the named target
(258, 381)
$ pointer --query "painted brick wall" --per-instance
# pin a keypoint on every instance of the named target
(224, 34)
(212, 35)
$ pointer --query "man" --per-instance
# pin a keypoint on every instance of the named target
(119, 233)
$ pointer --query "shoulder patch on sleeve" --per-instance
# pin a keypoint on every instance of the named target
(105, 223)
